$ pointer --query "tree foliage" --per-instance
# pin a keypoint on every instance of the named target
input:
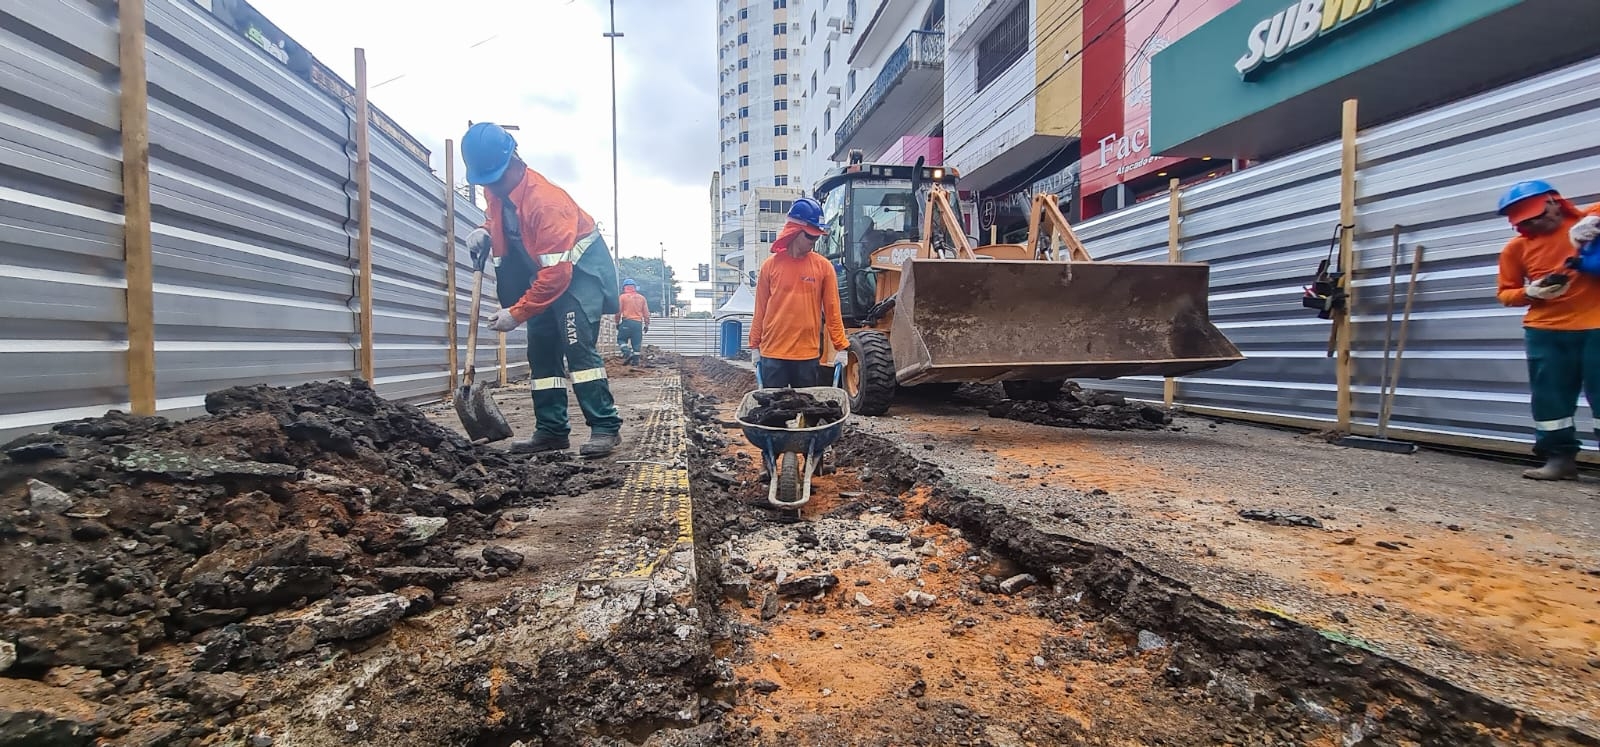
(647, 272)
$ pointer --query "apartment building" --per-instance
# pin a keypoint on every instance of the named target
(757, 46)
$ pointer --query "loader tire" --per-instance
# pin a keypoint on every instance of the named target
(1032, 391)
(869, 377)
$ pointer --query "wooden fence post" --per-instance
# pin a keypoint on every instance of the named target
(450, 257)
(504, 379)
(1347, 226)
(136, 239)
(364, 214)
(1169, 388)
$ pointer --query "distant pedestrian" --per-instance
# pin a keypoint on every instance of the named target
(554, 273)
(632, 322)
(1561, 329)
(797, 299)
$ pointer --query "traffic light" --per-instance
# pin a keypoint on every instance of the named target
(705, 273)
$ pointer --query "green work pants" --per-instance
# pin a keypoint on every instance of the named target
(1561, 363)
(566, 331)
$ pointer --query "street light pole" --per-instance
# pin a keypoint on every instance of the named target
(616, 232)
(665, 311)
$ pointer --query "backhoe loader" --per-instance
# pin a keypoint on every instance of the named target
(925, 309)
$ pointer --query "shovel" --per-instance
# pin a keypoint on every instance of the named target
(479, 414)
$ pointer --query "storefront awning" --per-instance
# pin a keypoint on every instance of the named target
(1395, 57)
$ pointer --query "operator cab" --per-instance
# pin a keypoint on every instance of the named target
(865, 208)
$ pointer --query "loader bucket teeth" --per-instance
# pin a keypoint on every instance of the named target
(998, 320)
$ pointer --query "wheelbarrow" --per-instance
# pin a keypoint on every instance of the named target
(792, 453)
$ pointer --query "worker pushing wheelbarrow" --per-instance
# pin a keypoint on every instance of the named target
(794, 429)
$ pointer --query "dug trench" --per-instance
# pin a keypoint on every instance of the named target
(904, 610)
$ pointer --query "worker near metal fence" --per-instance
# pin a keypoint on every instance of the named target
(1561, 329)
(553, 272)
(797, 297)
(632, 321)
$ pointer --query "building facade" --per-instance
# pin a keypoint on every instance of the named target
(874, 81)
(756, 55)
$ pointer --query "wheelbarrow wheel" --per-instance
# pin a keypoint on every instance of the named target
(788, 477)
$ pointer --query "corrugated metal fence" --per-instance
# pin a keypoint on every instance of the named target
(253, 197)
(1437, 175)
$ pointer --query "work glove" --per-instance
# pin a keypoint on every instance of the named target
(501, 321)
(1545, 288)
(1585, 231)
(478, 246)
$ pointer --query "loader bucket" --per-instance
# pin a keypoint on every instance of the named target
(997, 320)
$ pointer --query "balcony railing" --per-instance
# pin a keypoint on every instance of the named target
(920, 50)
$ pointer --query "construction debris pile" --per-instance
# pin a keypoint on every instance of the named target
(147, 563)
(1077, 407)
(777, 408)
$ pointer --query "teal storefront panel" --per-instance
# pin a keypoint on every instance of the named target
(1396, 57)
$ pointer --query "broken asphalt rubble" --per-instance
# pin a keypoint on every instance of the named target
(161, 559)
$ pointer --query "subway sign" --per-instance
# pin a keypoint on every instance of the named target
(1299, 24)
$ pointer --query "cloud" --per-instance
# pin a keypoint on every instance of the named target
(544, 66)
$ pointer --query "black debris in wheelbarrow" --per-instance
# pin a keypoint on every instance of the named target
(775, 409)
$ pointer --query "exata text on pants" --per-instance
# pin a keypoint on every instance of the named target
(565, 331)
(1561, 363)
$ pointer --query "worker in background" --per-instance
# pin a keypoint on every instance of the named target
(554, 273)
(1561, 328)
(797, 296)
(632, 322)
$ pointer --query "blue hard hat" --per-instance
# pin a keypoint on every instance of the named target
(629, 281)
(487, 149)
(1522, 191)
(808, 212)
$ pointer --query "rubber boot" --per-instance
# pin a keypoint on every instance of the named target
(540, 443)
(1564, 467)
(599, 445)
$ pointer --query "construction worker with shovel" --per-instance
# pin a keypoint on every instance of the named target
(554, 273)
(1561, 329)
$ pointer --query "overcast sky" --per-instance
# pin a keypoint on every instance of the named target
(544, 66)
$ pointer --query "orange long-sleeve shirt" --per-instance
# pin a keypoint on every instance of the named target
(634, 306)
(1527, 258)
(793, 299)
(552, 223)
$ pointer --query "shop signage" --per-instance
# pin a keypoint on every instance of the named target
(1298, 24)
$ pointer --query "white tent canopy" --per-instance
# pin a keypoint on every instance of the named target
(741, 303)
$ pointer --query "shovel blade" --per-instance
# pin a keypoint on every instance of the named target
(479, 415)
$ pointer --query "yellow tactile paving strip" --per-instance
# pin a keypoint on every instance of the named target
(655, 494)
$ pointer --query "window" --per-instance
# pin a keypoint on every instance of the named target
(1002, 47)
(780, 54)
(781, 105)
(779, 29)
(780, 4)
(780, 155)
(781, 79)
(744, 161)
(850, 12)
(827, 119)
(744, 185)
(744, 38)
(780, 130)
(744, 63)
(813, 24)
(744, 88)
(744, 13)
(781, 180)
(744, 112)
(744, 137)
(775, 206)
(850, 82)
(813, 84)
(827, 56)
(813, 141)
(767, 236)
